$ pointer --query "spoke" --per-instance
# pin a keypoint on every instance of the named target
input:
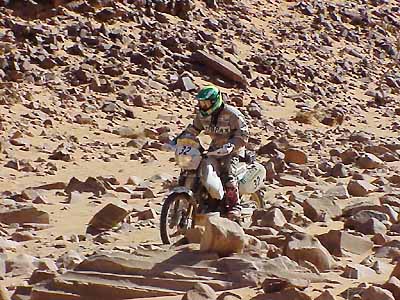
(178, 219)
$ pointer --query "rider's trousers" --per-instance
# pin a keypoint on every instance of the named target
(217, 173)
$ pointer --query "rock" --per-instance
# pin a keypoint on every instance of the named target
(326, 295)
(254, 110)
(339, 191)
(77, 49)
(6, 244)
(93, 185)
(4, 295)
(268, 218)
(295, 156)
(374, 293)
(291, 180)
(389, 249)
(357, 271)
(108, 217)
(138, 100)
(21, 265)
(380, 239)
(219, 65)
(253, 244)
(134, 180)
(396, 271)
(367, 222)
(305, 248)
(149, 214)
(341, 243)
(41, 275)
(194, 235)
(257, 231)
(339, 171)
(272, 147)
(27, 214)
(360, 188)
(321, 209)
(361, 137)
(273, 285)
(381, 212)
(369, 161)
(349, 156)
(222, 236)
(22, 236)
(200, 291)
(71, 259)
(229, 296)
(391, 200)
(184, 83)
(289, 293)
(393, 286)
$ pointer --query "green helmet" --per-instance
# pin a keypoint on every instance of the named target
(213, 94)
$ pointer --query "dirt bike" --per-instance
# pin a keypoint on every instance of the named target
(188, 201)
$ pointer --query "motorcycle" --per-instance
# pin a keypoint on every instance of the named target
(201, 191)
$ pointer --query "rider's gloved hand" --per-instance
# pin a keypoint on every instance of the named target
(171, 146)
(224, 150)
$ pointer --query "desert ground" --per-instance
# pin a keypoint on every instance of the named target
(90, 92)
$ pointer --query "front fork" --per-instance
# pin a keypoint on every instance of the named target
(190, 180)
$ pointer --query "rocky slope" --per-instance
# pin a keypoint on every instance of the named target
(90, 90)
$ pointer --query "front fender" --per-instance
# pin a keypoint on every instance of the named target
(182, 190)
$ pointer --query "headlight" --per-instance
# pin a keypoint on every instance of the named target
(184, 160)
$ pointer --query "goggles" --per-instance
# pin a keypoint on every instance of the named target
(205, 104)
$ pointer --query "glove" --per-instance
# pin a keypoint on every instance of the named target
(171, 146)
(224, 150)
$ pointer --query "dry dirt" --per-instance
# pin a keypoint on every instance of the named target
(321, 77)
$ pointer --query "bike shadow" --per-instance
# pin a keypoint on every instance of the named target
(188, 259)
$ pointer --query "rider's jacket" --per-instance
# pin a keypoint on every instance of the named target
(225, 125)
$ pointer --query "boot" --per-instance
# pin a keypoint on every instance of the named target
(232, 200)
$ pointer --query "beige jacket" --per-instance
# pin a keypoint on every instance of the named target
(227, 125)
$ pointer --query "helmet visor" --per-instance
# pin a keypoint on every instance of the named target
(205, 105)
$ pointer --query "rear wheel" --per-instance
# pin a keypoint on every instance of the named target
(250, 203)
(176, 217)
(257, 199)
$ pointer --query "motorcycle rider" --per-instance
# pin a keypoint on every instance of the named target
(228, 129)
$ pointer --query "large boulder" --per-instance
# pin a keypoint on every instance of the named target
(26, 214)
(272, 217)
(393, 285)
(222, 236)
(321, 209)
(108, 217)
(341, 243)
(396, 271)
(200, 291)
(367, 222)
(360, 188)
(296, 156)
(375, 293)
(369, 161)
(339, 191)
(326, 295)
(289, 293)
(219, 65)
(358, 271)
(4, 295)
(302, 248)
(93, 185)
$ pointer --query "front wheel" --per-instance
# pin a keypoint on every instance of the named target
(176, 217)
